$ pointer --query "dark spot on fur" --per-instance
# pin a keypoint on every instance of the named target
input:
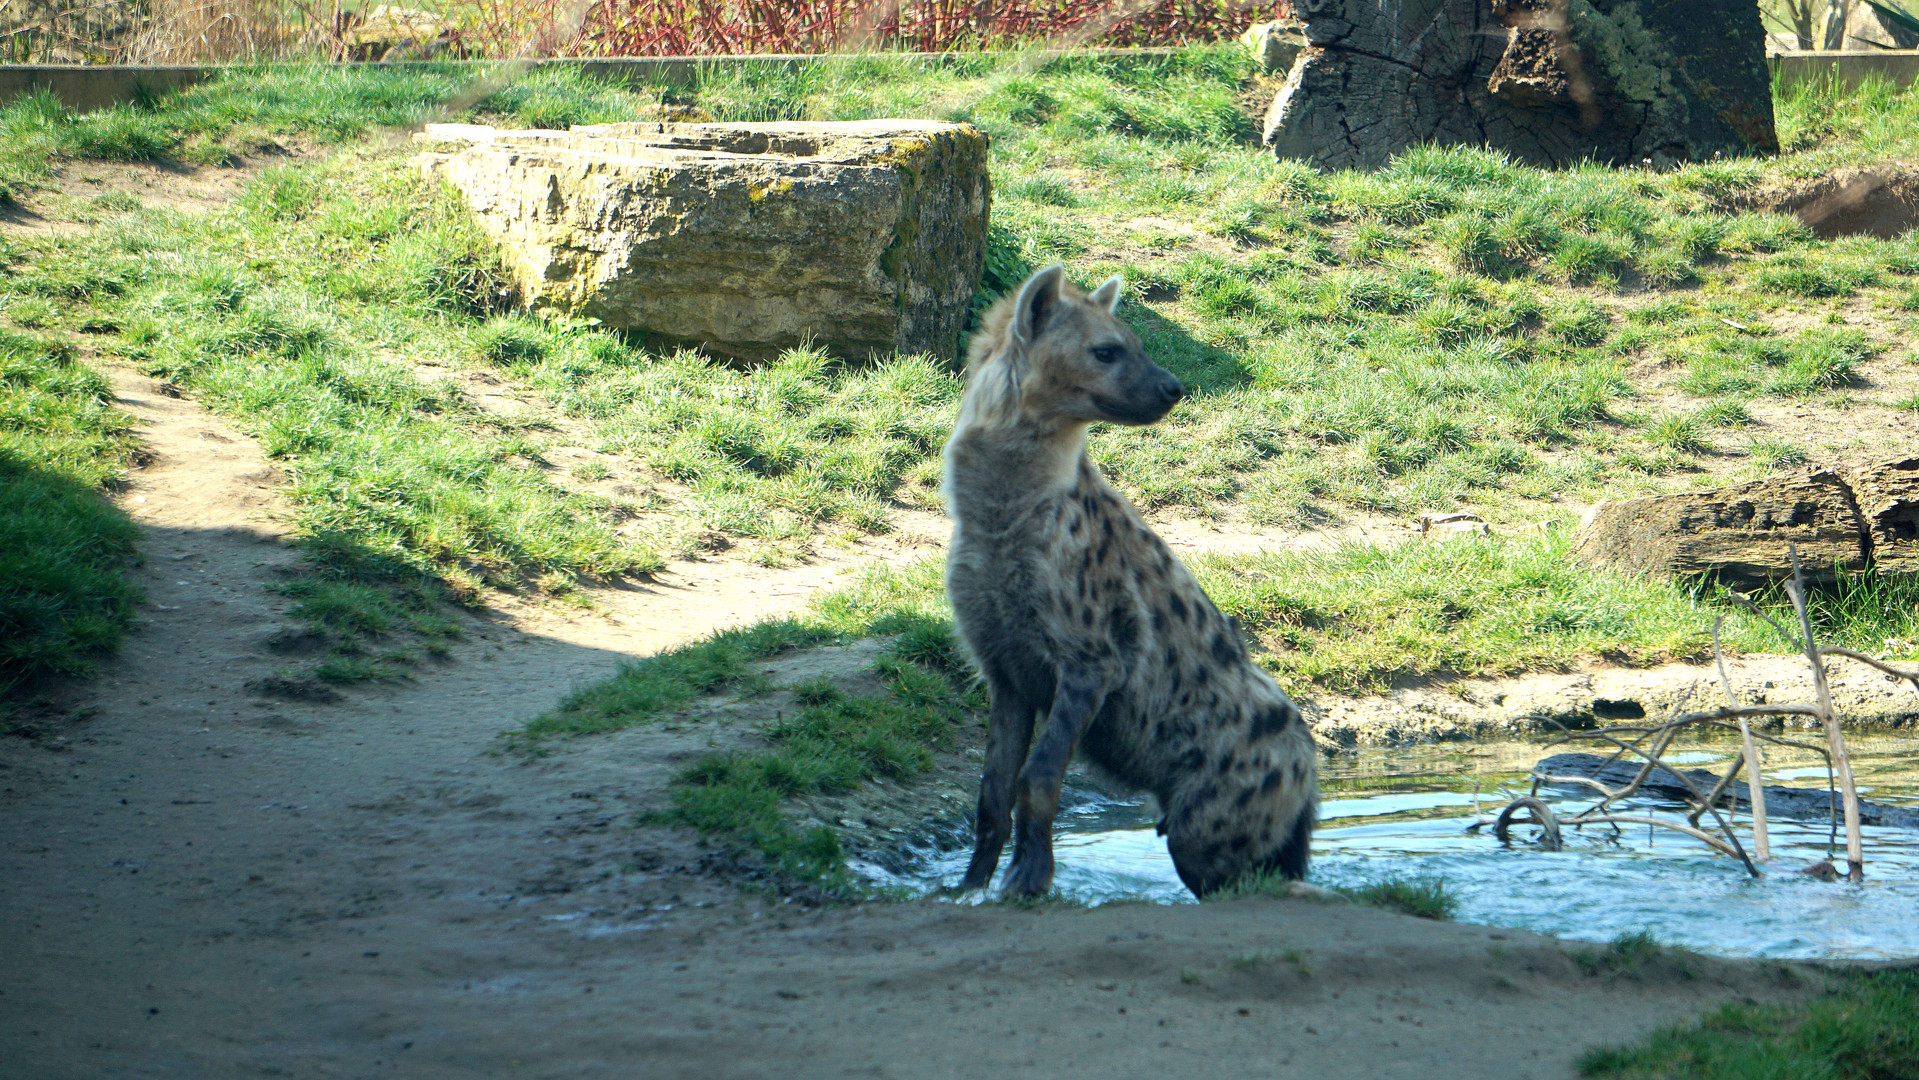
(1270, 721)
(1202, 674)
(1299, 772)
(1124, 628)
(1086, 616)
(1225, 650)
(1091, 507)
(1178, 606)
(1272, 781)
(1105, 546)
(1239, 843)
(1245, 796)
(1159, 624)
(1073, 526)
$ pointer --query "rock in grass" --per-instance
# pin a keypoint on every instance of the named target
(1275, 45)
(1740, 533)
(743, 239)
(1550, 82)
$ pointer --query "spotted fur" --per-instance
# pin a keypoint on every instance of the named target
(1092, 637)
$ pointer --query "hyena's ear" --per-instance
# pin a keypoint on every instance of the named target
(1107, 295)
(1038, 299)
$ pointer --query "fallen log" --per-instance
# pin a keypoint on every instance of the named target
(1802, 803)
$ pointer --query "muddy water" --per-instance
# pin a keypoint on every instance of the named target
(1405, 813)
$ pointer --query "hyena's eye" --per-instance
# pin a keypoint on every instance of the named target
(1107, 354)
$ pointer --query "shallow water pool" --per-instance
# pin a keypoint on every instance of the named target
(1404, 813)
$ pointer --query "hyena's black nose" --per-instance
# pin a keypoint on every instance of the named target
(1171, 390)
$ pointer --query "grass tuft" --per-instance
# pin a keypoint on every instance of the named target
(1867, 1027)
(64, 598)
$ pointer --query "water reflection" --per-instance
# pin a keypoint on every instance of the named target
(1404, 813)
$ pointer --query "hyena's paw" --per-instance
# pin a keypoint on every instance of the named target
(1030, 876)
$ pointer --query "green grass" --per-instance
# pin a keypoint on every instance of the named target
(773, 453)
(1865, 1029)
(1622, 957)
(1421, 897)
(1359, 618)
(1425, 898)
(835, 742)
(65, 600)
(1393, 342)
(907, 606)
(251, 108)
(1454, 330)
(644, 689)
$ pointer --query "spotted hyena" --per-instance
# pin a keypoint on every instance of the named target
(1078, 615)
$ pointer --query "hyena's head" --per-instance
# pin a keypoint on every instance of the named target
(1051, 352)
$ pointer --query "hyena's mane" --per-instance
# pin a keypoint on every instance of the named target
(997, 361)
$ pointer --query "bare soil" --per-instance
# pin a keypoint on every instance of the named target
(201, 881)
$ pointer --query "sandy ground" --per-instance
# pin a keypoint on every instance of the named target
(200, 881)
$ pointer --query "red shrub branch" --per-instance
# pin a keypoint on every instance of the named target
(716, 27)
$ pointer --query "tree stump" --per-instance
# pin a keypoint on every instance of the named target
(1741, 534)
(1550, 82)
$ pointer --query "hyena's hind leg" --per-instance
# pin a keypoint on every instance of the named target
(1017, 698)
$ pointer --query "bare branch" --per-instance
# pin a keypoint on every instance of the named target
(1748, 754)
(1909, 675)
(1841, 762)
(1637, 819)
(1542, 816)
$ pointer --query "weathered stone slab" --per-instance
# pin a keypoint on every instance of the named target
(1887, 495)
(1739, 533)
(1551, 82)
(743, 239)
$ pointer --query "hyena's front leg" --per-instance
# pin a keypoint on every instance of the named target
(1008, 735)
(1076, 700)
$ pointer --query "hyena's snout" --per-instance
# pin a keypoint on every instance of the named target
(1146, 398)
(1169, 389)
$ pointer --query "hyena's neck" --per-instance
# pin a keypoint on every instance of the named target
(995, 477)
